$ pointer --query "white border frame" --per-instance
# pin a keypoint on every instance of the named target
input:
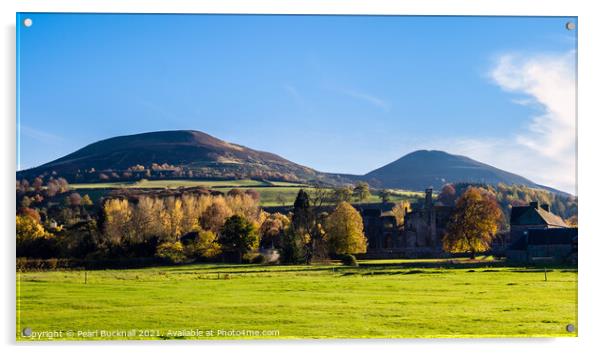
(590, 40)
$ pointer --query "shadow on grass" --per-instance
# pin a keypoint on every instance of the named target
(394, 267)
(489, 266)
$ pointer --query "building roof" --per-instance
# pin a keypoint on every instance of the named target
(534, 215)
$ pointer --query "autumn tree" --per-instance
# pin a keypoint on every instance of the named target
(171, 218)
(118, 226)
(245, 205)
(400, 210)
(146, 219)
(52, 188)
(213, 217)
(235, 192)
(86, 200)
(63, 185)
(238, 236)
(31, 236)
(172, 252)
(201, 243)
(74, 199)
(361, 191)
(342, 194)
(23, 186)
(253, 194)
(447, 195)
(474, 222)
(385, 195)
(191, 213)
(345, 230)
(29, 228)
(37, 184)
(25, 202)
(272, 230)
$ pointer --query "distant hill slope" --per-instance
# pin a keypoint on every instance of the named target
(431, 168)
(188, 153)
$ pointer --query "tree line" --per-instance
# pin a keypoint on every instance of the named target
(508, 196)
(195, 224)
(185, 225)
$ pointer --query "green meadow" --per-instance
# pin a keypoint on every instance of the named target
(379, 299)
(181, 183)
(272, 193)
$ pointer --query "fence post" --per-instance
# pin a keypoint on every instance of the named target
(545, 273)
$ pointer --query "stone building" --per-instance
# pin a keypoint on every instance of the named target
(538, 235)
(545, 245)
(424, 228)
(381, 229)
(532, 216)
(419, 236)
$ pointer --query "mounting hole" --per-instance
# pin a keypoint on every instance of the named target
(570, 328)
(27, 22)
(570, 26)
(27, 331)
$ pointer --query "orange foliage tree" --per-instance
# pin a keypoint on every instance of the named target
(474, 222)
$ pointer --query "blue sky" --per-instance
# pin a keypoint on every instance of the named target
(336, 93)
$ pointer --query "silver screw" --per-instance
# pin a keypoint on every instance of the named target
(27, 22)
(27, 331)
(570, 328)
(570, 26)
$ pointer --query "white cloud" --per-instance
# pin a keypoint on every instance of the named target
(545, 149)
(368, 98)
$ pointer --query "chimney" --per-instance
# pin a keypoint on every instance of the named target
(534, 205)
(546, 207)
(428, 197)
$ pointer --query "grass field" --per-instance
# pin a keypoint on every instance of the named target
(380, 299)
(271, 193)
(160, 184)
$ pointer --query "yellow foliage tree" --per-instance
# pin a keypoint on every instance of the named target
(244, 205)
(172, 218)
(171, 251)
(118, 221)
(204, 245)
(345, 230)
(30, 229)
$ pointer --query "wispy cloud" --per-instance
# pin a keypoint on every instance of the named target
(545, 150)
(294, 93)
(366, 97)
(299, 98)
(39, 135)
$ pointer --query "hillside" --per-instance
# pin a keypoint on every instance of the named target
(188, 154)
(431, 168)
(175, 154)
